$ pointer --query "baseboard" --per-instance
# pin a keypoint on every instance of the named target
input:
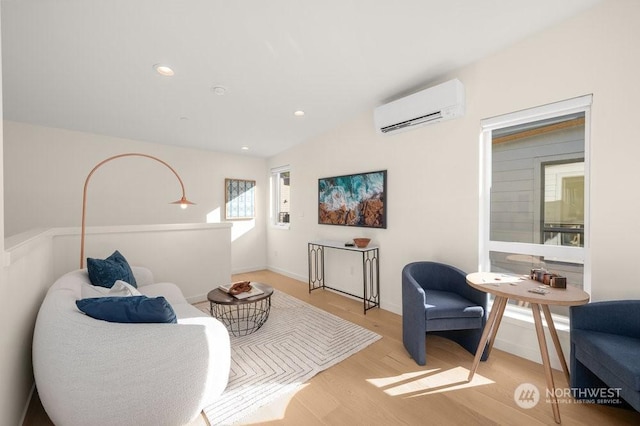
(289, 274)
(391, 307)
(396, 309)
(248, 269)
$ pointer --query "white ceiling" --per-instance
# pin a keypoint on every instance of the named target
(87, 65)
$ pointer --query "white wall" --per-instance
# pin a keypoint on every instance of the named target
(196, 256)
(17, 307)
(25, 282)
(433, 171)
(46, 168)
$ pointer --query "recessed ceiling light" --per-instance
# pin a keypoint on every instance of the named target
(245, 148)
(163, 70)
(299, 113)
(219, 90)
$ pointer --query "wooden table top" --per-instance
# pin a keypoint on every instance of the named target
(220, 297)
(512, 287)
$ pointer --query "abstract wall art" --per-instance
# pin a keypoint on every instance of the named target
(353, 200)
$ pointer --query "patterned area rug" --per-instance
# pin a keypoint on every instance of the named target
(297, 342)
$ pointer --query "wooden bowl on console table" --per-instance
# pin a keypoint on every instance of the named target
(361, 242)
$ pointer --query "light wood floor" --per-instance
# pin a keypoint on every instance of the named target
(382, 385)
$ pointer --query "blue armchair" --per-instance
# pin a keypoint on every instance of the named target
(437, 299)
(605, 350)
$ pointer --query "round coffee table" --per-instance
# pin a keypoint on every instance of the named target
(241, 316)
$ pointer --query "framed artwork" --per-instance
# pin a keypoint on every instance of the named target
(353, 200)
(239, 198)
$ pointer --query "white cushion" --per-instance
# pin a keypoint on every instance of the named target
(123, 288)
(119, 289)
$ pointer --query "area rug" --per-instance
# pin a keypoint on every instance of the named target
(297, 342)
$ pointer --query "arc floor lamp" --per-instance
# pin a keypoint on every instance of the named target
(183, 202)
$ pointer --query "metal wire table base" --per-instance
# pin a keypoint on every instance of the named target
(243, 319)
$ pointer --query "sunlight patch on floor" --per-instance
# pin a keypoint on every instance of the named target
(275, 410)
(387, 381)
(428, 382)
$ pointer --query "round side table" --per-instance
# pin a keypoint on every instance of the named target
(241, 316)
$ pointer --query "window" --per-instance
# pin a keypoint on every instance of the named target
(563, 209)
(534, 203)
(281, 196)
(239, 197)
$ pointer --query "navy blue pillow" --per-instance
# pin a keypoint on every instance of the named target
(133, 309)
(105, 272)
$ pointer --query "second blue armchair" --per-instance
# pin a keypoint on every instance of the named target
(605, 351)
(437, 299)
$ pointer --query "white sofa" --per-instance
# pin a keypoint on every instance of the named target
(93, 372)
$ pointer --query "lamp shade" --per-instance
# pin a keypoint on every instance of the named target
(184, 203)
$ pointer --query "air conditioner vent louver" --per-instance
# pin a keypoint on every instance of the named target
(414, 122)
(432, 105)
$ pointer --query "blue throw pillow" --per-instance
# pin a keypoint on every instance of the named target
(105, 272)
(134, 309)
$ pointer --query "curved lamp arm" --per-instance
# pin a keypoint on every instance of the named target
(182, 201)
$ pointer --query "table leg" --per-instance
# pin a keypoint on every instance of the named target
(556, 341)
(501, 305)
(309, 260)
(535, 308)
(489, 331)
(364, 283)
(370, 279)
(316, 266)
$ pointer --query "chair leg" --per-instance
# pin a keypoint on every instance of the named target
(417, 350)
(414, 339)
(582, 378)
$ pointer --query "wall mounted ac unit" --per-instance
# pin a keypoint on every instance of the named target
(438, 103)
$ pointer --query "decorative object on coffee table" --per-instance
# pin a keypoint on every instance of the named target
(240, 287)
(242, 313)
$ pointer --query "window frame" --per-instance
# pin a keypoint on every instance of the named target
(580, 104)
(276, 172)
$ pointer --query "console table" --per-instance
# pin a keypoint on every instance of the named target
(370, 271)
